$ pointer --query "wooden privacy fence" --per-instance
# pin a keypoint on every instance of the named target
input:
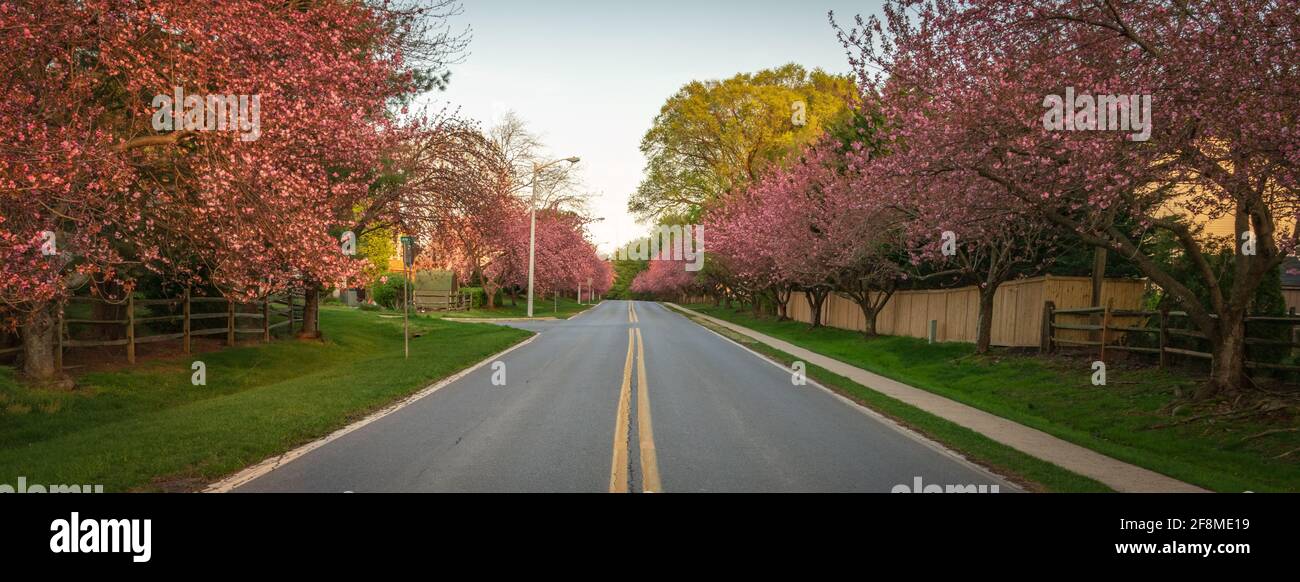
(181, 313)
(1292, 298)
(1017, 309)
(1107, 329)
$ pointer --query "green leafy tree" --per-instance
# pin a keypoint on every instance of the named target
(624, 273)
(377, 246)
(713, 136)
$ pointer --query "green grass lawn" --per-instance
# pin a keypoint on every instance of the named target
(1056, 395)
(148, 428)
(542, 307)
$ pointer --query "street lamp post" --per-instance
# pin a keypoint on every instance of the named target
(532, 226)
(408, 258)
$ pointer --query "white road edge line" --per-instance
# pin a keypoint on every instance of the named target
(497, 320)
(586, 311)
(266, 466)
(918, 437)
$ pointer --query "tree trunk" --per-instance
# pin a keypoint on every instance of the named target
(984, 337)
(103, 311)
(816, 297)
(1228, 371)
(39, 344)
(310, 311)
(490, 298)
(869, 320)
(782, 299)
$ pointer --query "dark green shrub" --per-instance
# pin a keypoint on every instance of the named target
(387, 291)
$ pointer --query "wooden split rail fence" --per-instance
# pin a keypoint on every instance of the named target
(1106, 326)
(289, 307)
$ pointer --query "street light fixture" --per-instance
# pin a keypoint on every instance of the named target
(532, 225)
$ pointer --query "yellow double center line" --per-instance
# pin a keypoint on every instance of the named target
(621, 463)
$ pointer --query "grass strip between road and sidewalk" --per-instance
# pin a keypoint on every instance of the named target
(1125, 419)
(148, 428)
(565, 308)
(1027, 471)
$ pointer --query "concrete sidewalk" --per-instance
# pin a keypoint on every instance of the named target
(1115, 474)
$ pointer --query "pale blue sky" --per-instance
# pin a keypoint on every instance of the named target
(590, 76)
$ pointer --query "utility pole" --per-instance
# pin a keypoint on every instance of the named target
(408, 257)
(532, 226)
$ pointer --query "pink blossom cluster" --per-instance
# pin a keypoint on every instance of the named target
(81, 159)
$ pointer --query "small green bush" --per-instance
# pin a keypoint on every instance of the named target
(476, 294)
(387, 292)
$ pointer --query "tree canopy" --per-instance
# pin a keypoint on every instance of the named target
(715, 136)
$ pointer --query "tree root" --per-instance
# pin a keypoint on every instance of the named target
(1255, 407)
(1269, 432)
(1257, 386)
(1228, 414)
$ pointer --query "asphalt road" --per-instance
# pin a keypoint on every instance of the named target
(629, 396)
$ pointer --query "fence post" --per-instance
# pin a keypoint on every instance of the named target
(1291, 349)
(1049, 318)
(186, 325)
(266, 318)
(1105, 323)
(230, 321)
(1164, 334)
(130, 328)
